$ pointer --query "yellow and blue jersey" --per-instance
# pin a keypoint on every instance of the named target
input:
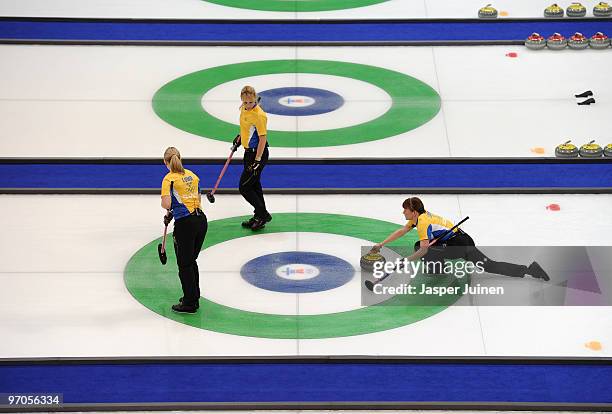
(253, 124)
(429, 226)
(184, 190)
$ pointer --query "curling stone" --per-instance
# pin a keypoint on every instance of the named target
(553, 11)
(367, 261)
(566, 150)
(608, 150)
(578, 41)
(535, 42)
(602, 9)
(591, 150)
(575, 10)
(599, 41)
(487, 12)
(556, 41)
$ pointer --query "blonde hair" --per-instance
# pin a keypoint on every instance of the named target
(248, 90)
(172, 157)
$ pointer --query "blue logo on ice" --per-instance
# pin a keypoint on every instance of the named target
(297, 101)
(297, 271)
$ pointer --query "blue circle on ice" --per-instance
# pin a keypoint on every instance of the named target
(299, 101)
(297, 272)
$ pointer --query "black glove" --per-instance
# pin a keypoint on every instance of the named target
(255, 167)
(168, 218)
(236, 143)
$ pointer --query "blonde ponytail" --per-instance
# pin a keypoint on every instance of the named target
(172, 157)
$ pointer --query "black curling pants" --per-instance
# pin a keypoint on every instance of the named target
(462, 246)
(250, 183)
(189, 234)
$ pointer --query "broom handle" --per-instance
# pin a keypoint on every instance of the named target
(229, 159)
(163, 249)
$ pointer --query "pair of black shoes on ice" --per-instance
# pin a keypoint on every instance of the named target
(536, 271)
(586, 94)
(182, 308)
(256, 223)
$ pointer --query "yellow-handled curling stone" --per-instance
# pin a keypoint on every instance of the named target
(591, 150)
(567, 150)
(368, 261)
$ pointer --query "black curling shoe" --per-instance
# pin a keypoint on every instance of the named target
(536, 271)
(180, 308)
(585, 94)
(587, 102)
(259, 224)
(248, 223)
(197, 305)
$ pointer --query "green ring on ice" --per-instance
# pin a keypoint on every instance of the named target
(296, 5)
(414, 103)
(157, 287)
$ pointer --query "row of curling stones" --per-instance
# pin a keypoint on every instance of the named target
(588, 150)
(576, 9)
(557, 41)
(601, 9)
